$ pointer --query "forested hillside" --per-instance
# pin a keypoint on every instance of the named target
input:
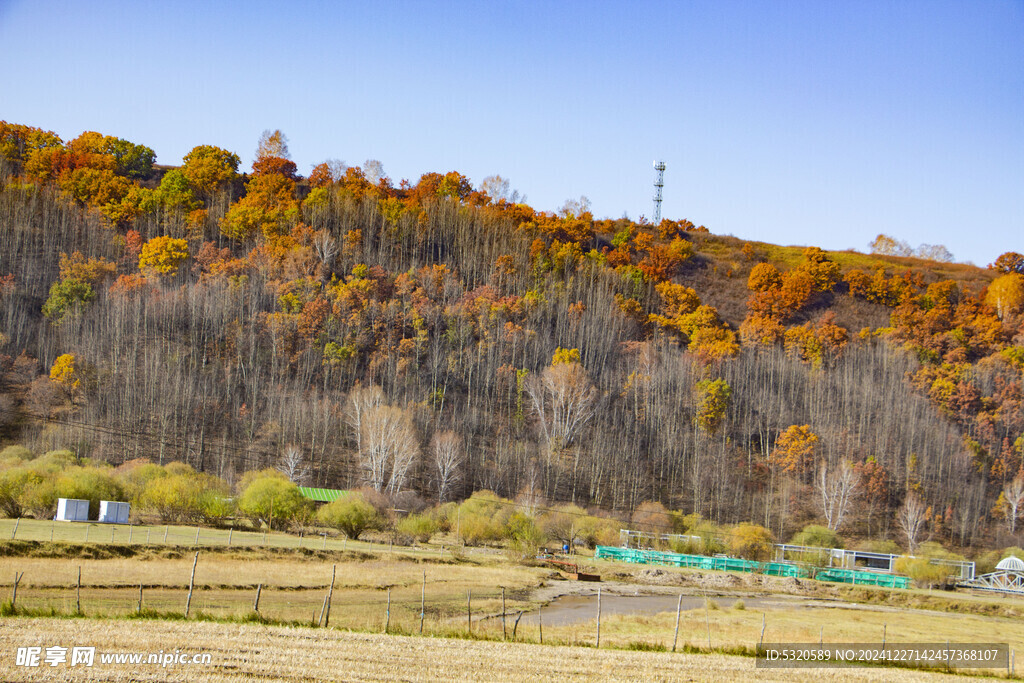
(441, 337)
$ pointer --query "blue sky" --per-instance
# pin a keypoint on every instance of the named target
(819, 122)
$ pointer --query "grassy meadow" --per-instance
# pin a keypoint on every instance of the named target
(379, 587)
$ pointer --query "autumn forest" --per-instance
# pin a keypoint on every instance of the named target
(433, 338)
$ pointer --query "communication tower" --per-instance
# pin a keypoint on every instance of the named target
(659, 183)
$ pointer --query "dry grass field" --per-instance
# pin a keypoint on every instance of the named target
(276, 653)
(294, 576)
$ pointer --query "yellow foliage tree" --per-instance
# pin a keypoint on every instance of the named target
(1006, 294)
(63, 372)
(795, 449)
(163, 255)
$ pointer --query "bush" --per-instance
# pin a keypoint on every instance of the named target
(923, 572)
(652, 517)
(751, 542)
(816, 536)
(986, 562)
(416, 527)
(135, 476)
(13, 481)
(524, 536)
(711, 537)
(481, 518)
(270, 498)
(595, 531)
(15, 453)
(351, 514)
(882, 545)
(89, 483)
(564, 524)
(188, 496)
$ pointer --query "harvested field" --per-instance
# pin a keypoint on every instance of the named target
(275, 653)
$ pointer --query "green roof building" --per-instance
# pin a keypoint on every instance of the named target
(321, 495)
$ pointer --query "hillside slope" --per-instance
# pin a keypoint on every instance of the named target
(201, 315)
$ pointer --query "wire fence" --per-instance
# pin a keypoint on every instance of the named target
(201, 536)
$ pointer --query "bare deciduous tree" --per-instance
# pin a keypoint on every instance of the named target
(563, 398)
(1013, 492)
(292, 465)
(448, 460)
(389, 447)
(374, 170)
(911, 517)
(360, 400)
(326, 248)
(837, 489)
(495, 187)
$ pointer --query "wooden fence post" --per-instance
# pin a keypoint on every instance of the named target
(15, 532)
(503, 632)
(140, 598)
(469, 614)
(598, 644)
(78, 592)
(14, 596)
(231, 533)
(679, 612)
(166, 528)
(515, 626)
(323, 611)
(423, 601)
(256, 605)
(540, 622)
(387, 616)
(191, 585)
(330, 596)
(763, 623)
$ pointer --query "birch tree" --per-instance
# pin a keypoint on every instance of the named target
(563, 398)
(837, 490)
(911, 518)
(1013, 493)
(447, 450)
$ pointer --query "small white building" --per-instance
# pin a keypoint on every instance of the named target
(72, 510)
(112, 512)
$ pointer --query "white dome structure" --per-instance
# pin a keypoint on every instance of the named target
(1011, 564)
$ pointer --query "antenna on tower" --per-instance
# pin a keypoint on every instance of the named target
(659, 183)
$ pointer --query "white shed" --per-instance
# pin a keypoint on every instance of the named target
(72, 510)
(113, 512)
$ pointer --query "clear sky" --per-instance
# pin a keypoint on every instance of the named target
(819, 122)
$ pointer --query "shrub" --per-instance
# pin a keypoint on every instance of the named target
(270, 498)
(481, 518)
(351, 514)
(15, 453)
(187, 496)
(595, 531)
(525, 537)
(751, 542)
(89, 483)
(652, 517)
(565, 523)
(923, 572)
(135, 475)
(416, 527)
(882, 545)
(817, 536)
(12, 483)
